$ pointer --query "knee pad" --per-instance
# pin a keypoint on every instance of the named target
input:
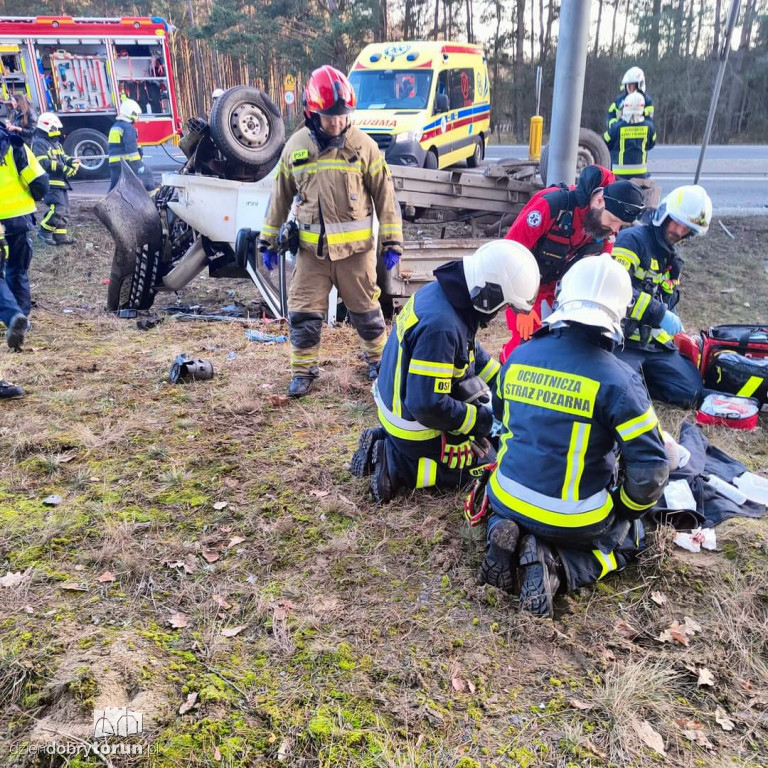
(370, 325)
(305, 328)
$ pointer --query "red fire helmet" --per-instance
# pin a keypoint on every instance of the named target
(329, 92)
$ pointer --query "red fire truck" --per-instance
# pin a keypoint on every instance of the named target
(82, 68)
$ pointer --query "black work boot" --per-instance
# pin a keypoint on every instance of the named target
(382, 484)
(10, 391)
(362, 459)
(17, 330)
(540, 578)
(300, 386)
(63, 239)
(46, 237)
(497, 568)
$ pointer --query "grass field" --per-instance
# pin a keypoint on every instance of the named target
(212, 551)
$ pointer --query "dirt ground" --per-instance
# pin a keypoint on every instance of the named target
(213, 566)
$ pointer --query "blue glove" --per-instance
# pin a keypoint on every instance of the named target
(270, 258)
(140, 170)
(390, 258)
(671, 323)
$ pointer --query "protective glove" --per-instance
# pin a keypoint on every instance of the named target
(72, 169)
(483, 422)
(141, 169)
(269, 255)
(527, 324)
(390, 257)
(457, 455)
(3, 249)
(671, 323)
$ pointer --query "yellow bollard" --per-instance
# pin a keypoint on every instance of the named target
(537, 131)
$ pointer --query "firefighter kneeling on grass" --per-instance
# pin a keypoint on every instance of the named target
(434, 374)
(336, 175)
(566, 401)
(60, 168)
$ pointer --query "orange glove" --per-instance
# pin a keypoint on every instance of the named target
(526, 325)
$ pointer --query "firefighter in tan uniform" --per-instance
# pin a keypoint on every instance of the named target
(336, 176)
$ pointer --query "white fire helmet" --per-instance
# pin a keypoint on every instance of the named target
(634, 75)
(688, 205)
(595, 291)
(49, 123)
(130, 109)
(499, 274)
(633, 108)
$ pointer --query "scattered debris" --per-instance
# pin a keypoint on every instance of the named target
(266, 338)
(52, 501)
(697, 539)
(184, 368)
(220, 505)
(148, 323)
(726, 230)
(705, 677)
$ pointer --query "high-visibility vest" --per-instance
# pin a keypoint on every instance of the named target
(16, 200)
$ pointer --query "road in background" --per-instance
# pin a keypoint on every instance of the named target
(736, 176)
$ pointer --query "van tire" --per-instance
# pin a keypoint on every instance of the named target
(477, 155)
(592, 150)
(247, 128)
(431, 163)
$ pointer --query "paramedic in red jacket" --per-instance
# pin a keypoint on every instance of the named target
(560, 225)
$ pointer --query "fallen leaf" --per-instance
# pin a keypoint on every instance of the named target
(79, 567)
(28, 609)
(722, 719)
(74, 586)
(232, 631)
(282, 752)
(280, 614)
(319, 494)
(287, 604)
(106, 577)
(278, 400)
(609, 655)
(235, 540)
(579, 704)
(594, 750)
(210, 555)
(217, 755)
(220, 505)
(705, 677)
(471, 686)
(13, 579)
(221, 602)
(650, 736)
(698, 737)
(659, 598)
(625, 629)
(458, 684)
(691, 624)
(189, 703)
(178, 620)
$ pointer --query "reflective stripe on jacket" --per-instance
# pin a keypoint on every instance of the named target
(124, 143)
(655, 268)
(614, 111)
(338, 190)
(629, 145)
(565, 402)
(16, 199)
(53, 159)
(430, 350)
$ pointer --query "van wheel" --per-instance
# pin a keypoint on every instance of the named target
(87, 143)
(477, 155)
(592, 150)
(430, 161)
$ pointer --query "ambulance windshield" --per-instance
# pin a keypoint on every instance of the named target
(392, 89)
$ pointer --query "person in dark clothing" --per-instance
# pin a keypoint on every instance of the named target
(124, 145)
(60, 168)
(650, 255)
(630, 139)
(433, 374)
(23, 118)
(23, 181)
(566, 402)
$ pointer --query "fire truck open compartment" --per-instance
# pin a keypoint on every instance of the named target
(83, 68)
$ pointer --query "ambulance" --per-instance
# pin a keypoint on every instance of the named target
(426, 104)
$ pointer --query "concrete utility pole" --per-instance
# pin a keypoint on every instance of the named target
(568, 93)
(724, 51)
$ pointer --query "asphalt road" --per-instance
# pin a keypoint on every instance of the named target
(736, 176)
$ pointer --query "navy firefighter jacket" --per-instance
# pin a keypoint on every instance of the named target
(565, 402)
(655, 269)
(431, 347)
